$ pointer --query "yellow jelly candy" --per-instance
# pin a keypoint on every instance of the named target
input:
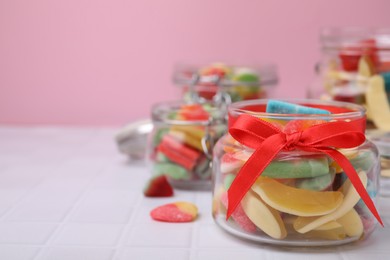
(351, 197)
(377, 103)
(352, 223)
(264, 217)
(296, 201)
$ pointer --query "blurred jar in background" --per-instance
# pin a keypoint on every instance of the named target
(350, 57)
(224, 83)
(181, 142)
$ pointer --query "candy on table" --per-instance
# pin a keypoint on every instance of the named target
(158, 186)
(175, 212)
(281, 107)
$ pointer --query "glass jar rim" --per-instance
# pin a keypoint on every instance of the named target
(348, 110)
(185, 75)
(161, 110)
(336, 38)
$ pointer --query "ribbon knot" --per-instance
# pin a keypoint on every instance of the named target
(268, 140)
(292, 140)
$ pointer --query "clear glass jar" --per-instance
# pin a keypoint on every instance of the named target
(302, 198)
(350, 56)
(225, 83)
(181, 142)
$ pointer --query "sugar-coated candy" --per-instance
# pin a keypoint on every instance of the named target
(171, 170)
(175, 212)
(298, 168)
(319, 183)
(239, 216)
(281, 107)
(158, 186)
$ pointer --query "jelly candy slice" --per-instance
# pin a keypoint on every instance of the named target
(264, 217)
(230, 164)
(178, 152)
(158, 186)
(352, 223)
(319, 183)
(171, 170)
(175, 212)
(281, 107)
(298, 168)
(351, 197)
(297, 201)
(377, 103)
(239, 216)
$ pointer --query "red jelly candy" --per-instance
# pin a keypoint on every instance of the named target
(158, 186)
(300, 125)
(175, 212)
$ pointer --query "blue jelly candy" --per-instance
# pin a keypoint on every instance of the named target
(281, 107)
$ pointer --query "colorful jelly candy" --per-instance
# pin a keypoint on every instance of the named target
(158, 186)
(175, 212)
(263, 216)
(281, 107)
(296, 201)
(239, 216)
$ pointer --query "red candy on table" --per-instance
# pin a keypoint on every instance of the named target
(158, 186)
(175, 212)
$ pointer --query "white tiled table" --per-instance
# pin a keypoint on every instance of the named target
(66, 193)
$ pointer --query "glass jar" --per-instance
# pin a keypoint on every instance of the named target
(350, 57)
(225, 83)
(181, 142)
(382, 140)
(304, 197)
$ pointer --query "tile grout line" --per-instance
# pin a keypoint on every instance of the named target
(127, 228)
(70, 212)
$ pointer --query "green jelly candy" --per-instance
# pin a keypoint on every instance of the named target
(317, 183)
(160, 157)
(364, 161)
(159, 135)
(171, 170)
(302, 168)
(229, 178)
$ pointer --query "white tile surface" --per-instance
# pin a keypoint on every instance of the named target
(66, 193)
(18, 252)
(76, 253)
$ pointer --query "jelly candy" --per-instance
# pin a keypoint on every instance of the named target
(175, 212)
(264, 217)
(297, 201)
(377, 103)
(158, 186)
(351, 197)
(172, 170)
(239, 216)
(281, 107)
(299, 168)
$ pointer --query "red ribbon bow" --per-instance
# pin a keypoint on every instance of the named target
(268, 140)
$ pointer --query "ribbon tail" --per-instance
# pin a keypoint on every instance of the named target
(356, 182)
(252, 169)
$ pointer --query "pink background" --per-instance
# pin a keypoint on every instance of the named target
(95, 62)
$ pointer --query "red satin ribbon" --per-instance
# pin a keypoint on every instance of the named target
(267, 141)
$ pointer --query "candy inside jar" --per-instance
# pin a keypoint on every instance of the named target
(224, 83)
(181, 142)
(299, 173)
